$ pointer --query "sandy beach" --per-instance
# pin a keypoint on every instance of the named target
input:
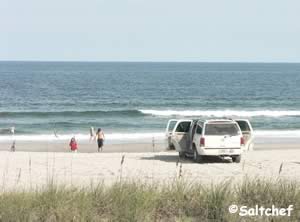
(91, 147)
(83, 147)
(26, 169)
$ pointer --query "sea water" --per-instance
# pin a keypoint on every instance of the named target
(133, 101)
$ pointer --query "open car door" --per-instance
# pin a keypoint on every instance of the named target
(169, 129)
(180, 136)
(247, 132)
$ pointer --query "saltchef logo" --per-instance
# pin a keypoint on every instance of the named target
(260, 210)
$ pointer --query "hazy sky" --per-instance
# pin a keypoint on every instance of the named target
(150, 30)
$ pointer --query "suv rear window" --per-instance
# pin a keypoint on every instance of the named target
(221, 129)
(243, 125)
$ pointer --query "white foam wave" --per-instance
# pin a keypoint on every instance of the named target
(223, 113)
(278, 133)
(136, 137)
(110, 137)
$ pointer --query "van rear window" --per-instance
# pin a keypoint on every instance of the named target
(221, 129)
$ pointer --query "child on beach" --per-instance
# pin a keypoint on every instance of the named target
(100, 139)
(73, 145)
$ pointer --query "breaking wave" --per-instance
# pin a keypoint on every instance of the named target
(144, 137)
(223, 113)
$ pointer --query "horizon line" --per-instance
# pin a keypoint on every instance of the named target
(149, 61)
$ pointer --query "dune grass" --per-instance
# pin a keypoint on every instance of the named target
(137, 201)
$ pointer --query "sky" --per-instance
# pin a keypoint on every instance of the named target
(150, 30)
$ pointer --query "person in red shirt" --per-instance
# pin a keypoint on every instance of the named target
(73, 145)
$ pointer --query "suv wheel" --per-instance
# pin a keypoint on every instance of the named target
(181, 154)
(197, 158)
(172, 147)
(236, 159)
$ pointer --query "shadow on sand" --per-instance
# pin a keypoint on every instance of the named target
(177, 159)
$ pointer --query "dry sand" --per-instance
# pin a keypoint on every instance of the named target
(23, 170)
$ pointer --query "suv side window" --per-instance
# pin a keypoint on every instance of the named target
(183, 127)
(243, 125)
(199, 129)
(171, 126)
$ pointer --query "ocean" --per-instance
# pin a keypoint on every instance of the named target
(134, 100)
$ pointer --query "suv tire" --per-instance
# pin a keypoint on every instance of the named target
(196, 157)
(181, 154)
(236, 159)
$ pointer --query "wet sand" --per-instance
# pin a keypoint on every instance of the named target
(91, 147)
(85, 147)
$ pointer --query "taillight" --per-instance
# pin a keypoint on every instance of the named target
(202, 141)
(242, 141)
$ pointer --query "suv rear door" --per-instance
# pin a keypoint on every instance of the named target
(247, 132)
(181, 136)
(169, 129)
(170, 126)
(222, 135)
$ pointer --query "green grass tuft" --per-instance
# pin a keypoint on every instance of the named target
(137, 201)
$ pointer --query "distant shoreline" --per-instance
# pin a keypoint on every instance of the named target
(128, 146)
(261, 137)
(147, 61)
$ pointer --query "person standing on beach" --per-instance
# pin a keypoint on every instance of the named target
(73, 145)
(92, 134)
(100, 139)
(13, 145)
(12, 130)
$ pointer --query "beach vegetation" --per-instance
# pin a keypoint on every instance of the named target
(138, 201)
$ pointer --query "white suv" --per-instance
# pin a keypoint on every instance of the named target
(218, 138)
(215, 137)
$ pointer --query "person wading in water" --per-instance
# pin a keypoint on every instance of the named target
(100, 139)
